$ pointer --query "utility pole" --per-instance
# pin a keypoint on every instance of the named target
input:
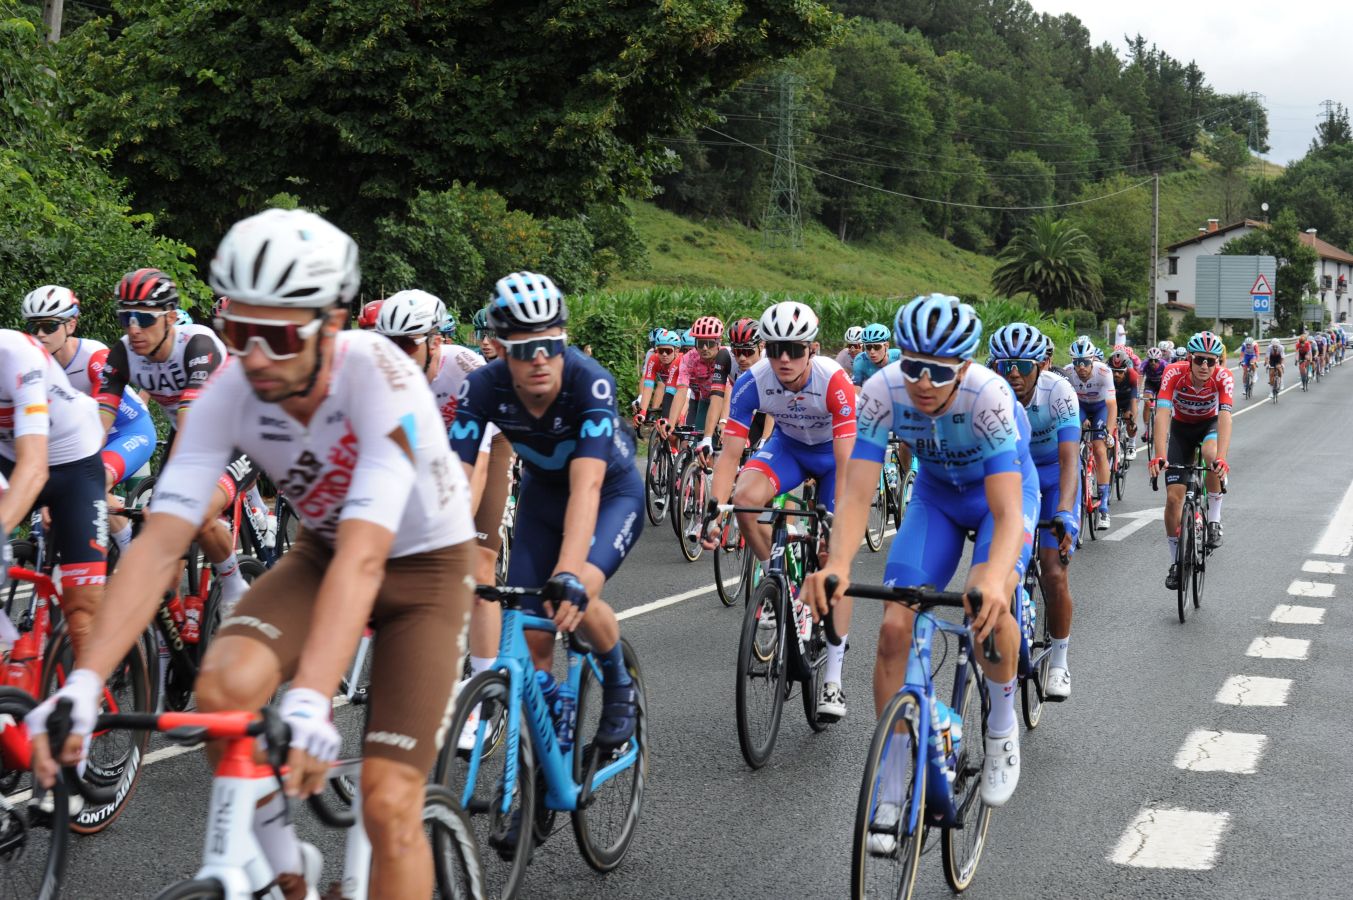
(1155, 254)
(51, 17)
(782, 225)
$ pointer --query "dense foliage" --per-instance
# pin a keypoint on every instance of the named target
(1053, 261)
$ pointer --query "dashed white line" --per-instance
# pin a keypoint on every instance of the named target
(1279, 648)
(1322, 567)
(1221, 751)
(1254, 690)
(1172, 839)
(1299, 588)
(1287, 614)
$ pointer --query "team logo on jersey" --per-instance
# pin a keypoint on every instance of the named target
(28, 378)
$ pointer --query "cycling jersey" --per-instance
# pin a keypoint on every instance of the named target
(1094, 389)
(820, 411)
(864, 367)
(1054, 416)
(1196, 404)
(845, 360)
(174, 384)
(655, 370)
(340, 465)
(1304, 348)
(36, 397)
(1152, 370)
(131, 440)
(1125, 390)
(704, 378)
(457, 363)
(1248, 356)
(1275, 358)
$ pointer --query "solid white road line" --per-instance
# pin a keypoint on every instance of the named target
(1338, 537)
(1253, 690)
(1286, 614)
(1274, 647)
(1311, 589)
(1321, 567)
(1171, 839)
(1139, 520)
(1221, 751)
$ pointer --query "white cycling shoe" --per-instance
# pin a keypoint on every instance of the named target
(470, 731)
(882, 840)
(831, 705)
(1000, 769)
(1059, 684)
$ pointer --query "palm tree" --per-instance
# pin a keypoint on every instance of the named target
(1054, 261)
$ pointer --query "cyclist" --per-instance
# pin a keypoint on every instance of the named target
(172, 362)
(813, 403)
(1276, 356)
(582, 497)
(347, 427)
(483, 333)
(744, 339)
(1099, 409)
(854, 338)
(702, 383)
(366, 319)
(50, 442)
(972, 436)
(1305, 348)
(1180, 354)
(1193, 410)
(1125, 390)
(1054, 444)
(876, 355)
(660, 368)
(1153, 368)
(1249, 357)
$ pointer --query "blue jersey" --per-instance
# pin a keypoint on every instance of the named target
(985, 430)
(1054, 416)
(581, 423)
(1248, 356)
(864, 367)
(131, 412)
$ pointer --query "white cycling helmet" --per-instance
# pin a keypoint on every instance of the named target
(526, 301)
(286, 258)
(51, 301)
(1166, 347)
(1275, 343)
(788, 321)
(854, 334)
(409, 313)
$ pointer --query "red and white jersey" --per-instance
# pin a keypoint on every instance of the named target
(1195, 404)
(36, 397)
(656, 370)
(1095, 389)
(457, 362)
(85, 369)
(342, 464)
(820, 411)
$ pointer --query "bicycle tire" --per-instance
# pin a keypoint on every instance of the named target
(251, 569)
(1092, 490)
(901, 712)
(455, 855)
(504, 868)
(753, 655)
(878, 518)
(690, 509)
(734, 553)
(1184, 559)
(35, 867)
(605, 853)
(962, 845)
(1200, 559)
(904, 492)
(193, 889)
(676, 467)
(121, 767)
(1032, 700)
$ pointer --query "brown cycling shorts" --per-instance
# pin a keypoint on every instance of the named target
(419, 624)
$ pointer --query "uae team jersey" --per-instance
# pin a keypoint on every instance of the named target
(342, 464)
(36, 397)
(1095, 389)
(820, 411)
(1054, 416)
(195, 352)
(984, 431)
(1196, 404)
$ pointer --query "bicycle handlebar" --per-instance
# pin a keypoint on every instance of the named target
(511, 597)
(923, 597)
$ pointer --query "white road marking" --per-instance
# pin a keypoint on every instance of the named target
(1140, 519)
(1321, 567)
(1253, 690)
(1338, 537)
(1310, 589)
(1171, 839)
(1256, 404)
(1279, 648)
(1286, 614)
(1221, 751)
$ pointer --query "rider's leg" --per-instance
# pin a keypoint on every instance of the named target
(218, 545)
(756, 487)
(392, 811)
(1214, 494)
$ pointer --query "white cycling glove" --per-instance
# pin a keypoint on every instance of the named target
(706, 445)
(84, 690)
(307, 713)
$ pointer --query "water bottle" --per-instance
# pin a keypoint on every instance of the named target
(1029, 616)
(565, 712)
(891, 470)
(948, 723)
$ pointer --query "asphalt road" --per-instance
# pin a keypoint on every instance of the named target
(1103, 807)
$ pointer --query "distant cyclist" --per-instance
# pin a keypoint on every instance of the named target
(854, 338)
(1276, 357)
(1099, 408)
(1126, 389)
(876, 355)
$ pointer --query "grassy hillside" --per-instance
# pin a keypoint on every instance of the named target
(1191, 196)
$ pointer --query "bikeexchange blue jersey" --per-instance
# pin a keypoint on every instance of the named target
(1054, 417)
(863, 368)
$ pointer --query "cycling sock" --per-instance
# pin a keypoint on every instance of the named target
(1104, 497)
(613, 671)
(1214, 507)
(1059, 646)
(123, 537)
(277, 836)
(255, 498)
(228, 567)
(1001, 718)
(895, 765)
(480, 664)
(836, 658)
(1174, 548)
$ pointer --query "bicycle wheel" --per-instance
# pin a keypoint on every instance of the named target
(1184, 559)
(963, 844)
(884, 863)
(655, 483)
(1091, 491)
(878, 518)
(114, 757)
(250, 570)
(287, 525)
(1032, 686)
(1119, 478)
(690, 509)
(605, 827)
(1199, 558)
(196, 889)
(729, 562)
(677, 466)
(762, 672)
(32, 859)
(455, 856)
(904, 492)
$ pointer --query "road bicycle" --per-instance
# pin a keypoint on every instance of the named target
(1247, 379)
(1089, 481)
(512, 801)
(1191, 550)
(1274, 383)
(662, 471)
(1148, 421)
(234, 866)
(689, 490)
(933, 750)
(1118, 458)
(32, 848)
(734, 558)
(1304, 369)
(780, 645)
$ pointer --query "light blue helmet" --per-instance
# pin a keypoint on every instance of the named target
(664, 338)
(938, 325)
(1099, 353)
(1082, 348)
(1206, 342)
(1016, 341)
(874, 333)
(183, 318)
(653, 336)
(447, 327)
(687, 340)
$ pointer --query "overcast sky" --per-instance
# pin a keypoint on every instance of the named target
(1295, 54)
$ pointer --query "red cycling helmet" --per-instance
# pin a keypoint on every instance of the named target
(707, 328)
(147, 287)
(370, 312)
(744, 331)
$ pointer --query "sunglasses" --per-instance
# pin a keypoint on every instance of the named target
(664, 351)
(1206, 362)
(795, 349)
(528, 349)
(1024, 367)
(143, 319)
(940, 373)
(1084, 361)
(853, 346)
(277, 339)
(874, 348)
(44, 326)
(408, 342)
(745, 350)
(707, 344)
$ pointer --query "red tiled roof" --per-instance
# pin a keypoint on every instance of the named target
(1325, 249)
(1204, 235)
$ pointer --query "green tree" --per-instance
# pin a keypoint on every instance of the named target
(1318, 189)
(1231, 154)
(1052, 260)
(1119, 228)
(1296, 265)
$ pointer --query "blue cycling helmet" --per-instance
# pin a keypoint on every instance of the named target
(653, 336)
(938, 325)
(1099, 353)
(1082, 348)
(687, 341)
(875, 333)
(664, 338)
(1206, 342)
(1016, 341)
(447, 327)
(183, 318)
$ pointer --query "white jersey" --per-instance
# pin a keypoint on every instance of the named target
(823, 409)
(1095, 389)
(342, 464)
(36, 397)
(457, 362)
(85, 369)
